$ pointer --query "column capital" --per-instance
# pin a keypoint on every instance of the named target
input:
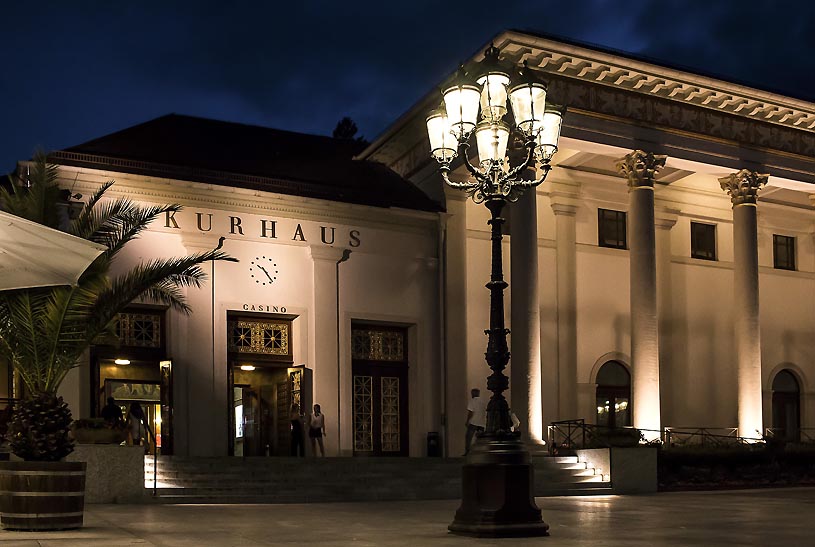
(743, 186)
(324, 252)
(564, 197)
(640, 168)
(665, 218)
(565, 209)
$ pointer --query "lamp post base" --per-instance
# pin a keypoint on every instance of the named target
(497, 491)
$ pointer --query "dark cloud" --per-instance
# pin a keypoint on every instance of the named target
(76, 70)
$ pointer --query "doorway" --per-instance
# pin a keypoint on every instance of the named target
(613, 395)
(380, 390)
(262, 397)
(786, 407)
(137, 371)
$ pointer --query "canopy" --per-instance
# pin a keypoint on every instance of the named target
(33, 255)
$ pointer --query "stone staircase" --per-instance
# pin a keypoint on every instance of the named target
(297, 480)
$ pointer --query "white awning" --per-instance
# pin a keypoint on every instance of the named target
(33, 255)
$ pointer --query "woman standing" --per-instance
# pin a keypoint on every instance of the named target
(316, 431)
(297, 442)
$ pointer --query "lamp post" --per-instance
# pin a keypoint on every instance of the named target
(497, 478)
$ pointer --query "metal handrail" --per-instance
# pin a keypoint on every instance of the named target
(706, 436)
(574, 434)
(804, 434)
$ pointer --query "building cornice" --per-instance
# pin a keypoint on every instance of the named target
(645, 78)
(235, 199)
(629, 103)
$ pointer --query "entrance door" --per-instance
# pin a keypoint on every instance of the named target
(786, 407)
(380, 389)
(262, 395)
(613, 395)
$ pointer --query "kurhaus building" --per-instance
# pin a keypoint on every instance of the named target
(361, 278)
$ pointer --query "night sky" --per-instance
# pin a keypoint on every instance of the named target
(76, 70)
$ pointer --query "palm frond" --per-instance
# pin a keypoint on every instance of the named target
(83, 226)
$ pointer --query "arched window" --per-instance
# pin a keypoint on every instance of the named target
(613, 395)
(786, 406)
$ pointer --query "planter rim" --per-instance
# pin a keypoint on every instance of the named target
(39, 466)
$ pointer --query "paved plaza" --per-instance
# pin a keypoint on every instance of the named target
(735, 518)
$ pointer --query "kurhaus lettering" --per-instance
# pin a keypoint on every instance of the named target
(267, 229)
(264, 308)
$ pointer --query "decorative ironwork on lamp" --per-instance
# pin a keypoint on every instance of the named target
(497, 479)
(451, 126)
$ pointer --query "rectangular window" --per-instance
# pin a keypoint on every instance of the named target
(783, 252)
(611, 229)
(703, 241)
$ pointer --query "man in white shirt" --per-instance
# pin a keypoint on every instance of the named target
(476, 417)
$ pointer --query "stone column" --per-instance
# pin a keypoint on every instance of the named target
(640, 168)
(525, 367)
(743, 187)
(664, 220)
(457, 392)
(563, 199)
(324, 337)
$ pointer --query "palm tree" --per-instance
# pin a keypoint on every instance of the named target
(45, 331)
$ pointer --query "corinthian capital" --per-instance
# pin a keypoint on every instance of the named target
(640, 168)
(743, 186)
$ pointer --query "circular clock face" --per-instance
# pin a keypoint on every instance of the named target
(263, 270)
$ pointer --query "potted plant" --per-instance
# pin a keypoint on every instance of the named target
(44, 333)
(98, 431)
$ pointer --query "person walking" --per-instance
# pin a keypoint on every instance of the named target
(298, 447)
(112, 414)
(316, 431)
(476, 417)
(135, 421)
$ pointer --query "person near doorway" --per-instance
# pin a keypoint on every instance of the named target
(298, 446)
(112, 414)
(476, 417)
(316, 431)
(136, 422)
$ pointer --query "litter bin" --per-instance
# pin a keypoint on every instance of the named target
(433, 444)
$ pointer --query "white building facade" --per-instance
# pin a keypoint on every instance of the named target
(671, 287)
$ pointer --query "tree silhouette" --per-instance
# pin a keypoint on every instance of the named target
(346, 129)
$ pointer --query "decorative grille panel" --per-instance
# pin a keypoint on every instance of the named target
(296, 381)
(139, 329)
(377, 345)
(390, 414)
(363, 414)
(259, 337)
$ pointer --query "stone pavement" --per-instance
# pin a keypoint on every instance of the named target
(731, 519)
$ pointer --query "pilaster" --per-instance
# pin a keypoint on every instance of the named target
(564, 203)
(525, 369)
(326, 351)
(455, 320)
(664, 220)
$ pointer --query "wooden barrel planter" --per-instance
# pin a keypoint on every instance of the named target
(42, 495)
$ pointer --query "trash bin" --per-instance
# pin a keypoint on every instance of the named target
(433, 444)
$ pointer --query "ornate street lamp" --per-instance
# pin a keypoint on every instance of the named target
(497, 494)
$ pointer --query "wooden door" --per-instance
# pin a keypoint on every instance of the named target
(380, 391)
(380, 410)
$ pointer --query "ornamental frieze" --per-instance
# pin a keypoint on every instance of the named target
(662, 112)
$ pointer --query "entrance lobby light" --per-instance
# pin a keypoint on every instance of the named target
(248, 367)
(122, 361)
(497, 478)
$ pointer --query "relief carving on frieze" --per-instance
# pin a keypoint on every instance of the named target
(658, 111)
